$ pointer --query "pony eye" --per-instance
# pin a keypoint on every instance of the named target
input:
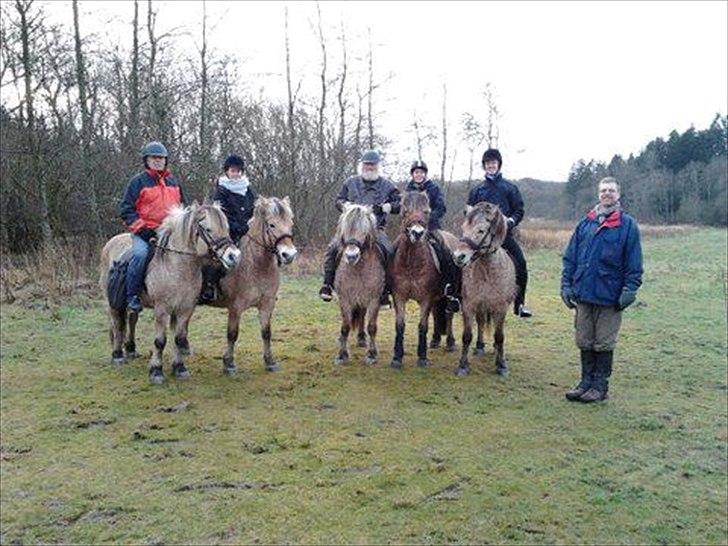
(272, 226)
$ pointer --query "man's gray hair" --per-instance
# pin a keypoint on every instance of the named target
(610, 180)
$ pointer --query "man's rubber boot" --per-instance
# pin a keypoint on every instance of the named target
(600, 385)
(587, 369)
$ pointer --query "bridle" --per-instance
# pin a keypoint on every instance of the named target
(480, 249)
(214, 245)
(272, 247)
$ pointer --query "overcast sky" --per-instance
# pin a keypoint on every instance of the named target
(571, 79)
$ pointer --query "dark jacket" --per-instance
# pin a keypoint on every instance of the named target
(380, 191)
(437, 201)
(601, 260)
(501, 192)
(238, 209)
(148, 198)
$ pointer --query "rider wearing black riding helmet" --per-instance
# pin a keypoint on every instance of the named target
(497, 190)
(450, 273)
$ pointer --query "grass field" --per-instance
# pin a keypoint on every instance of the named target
(316, 454)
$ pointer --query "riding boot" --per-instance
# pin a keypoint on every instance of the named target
(600, 384)
(326, 292)
(587, 369)
(449, 273)
(384, 258)
(210, 278)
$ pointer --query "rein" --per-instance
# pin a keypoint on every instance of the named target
(213, 245)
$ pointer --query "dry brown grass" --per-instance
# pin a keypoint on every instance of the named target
(553, 234)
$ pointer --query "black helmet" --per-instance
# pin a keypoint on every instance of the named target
(154, 148)
(371, 156)
(492, 154)
(233, 161)
(419, 164)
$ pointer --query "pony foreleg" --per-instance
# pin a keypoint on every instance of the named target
(182, 341)
(117, 326)
(156, 375)
(373, 315)
(501, 366)
(358, 325)
(422, 361)
(438, 324)
(399, 306)
(178, 324)
(233, 328)
(450, 346)
(264, 314)
(463, 368)
(480, 344)
(346, 323)
(130, 344)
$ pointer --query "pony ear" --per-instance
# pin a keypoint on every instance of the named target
(286, 200)
(501, 229)
(467, 210)
(261, 204)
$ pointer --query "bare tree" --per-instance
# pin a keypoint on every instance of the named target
(444, 133)
(203, 86)
(370, 93)
(473, 137)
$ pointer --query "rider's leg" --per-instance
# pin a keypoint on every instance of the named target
(135, 272)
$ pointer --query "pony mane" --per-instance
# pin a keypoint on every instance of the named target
(355, 219)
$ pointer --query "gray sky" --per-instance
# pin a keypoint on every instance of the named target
(571, 79)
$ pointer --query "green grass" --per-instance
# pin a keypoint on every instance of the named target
(315, 454)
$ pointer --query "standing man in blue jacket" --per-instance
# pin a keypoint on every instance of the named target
(602, 270)
(450, 273)
(499, 191)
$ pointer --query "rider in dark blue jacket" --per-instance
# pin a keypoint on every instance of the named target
(602, 270)
(449, 272)
(237, 198)
(499, 191)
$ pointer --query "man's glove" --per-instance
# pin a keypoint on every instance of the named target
(147, 234)
(568, 297)
(377, 209)
(510, 222)
(626, 299)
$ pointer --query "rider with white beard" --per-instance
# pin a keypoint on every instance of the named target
(368, 188)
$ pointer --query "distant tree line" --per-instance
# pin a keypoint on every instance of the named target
(683, 179)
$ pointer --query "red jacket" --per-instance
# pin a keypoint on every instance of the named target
(148, 198)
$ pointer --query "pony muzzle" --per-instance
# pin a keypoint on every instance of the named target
(286, 253)
(416, 232)
(230, 257)
(352, 254)
(462, 257)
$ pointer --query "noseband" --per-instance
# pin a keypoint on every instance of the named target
(215, 245)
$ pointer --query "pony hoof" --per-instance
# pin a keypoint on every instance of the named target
(273, 367)
(230, 370)
(479, 352)
(361, 342)
(370, 360)
(156, 377)
(180, 372)
(461, 371)
(502, 371)
(422, 363)
(341, 360)
(185, 350)
(435, 344)
(131, 355)
(118, 361)
(451, 347)
(396, 364)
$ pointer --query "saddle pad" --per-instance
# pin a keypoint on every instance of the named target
(116, 285)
